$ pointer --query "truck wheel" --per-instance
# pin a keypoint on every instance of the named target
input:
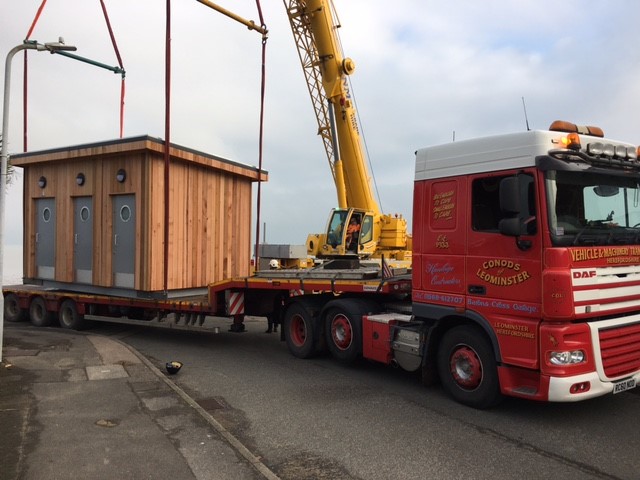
(467, 367)
(299, 332)
(343, 328)
(69, 317)
(38, 313)
(12, 310)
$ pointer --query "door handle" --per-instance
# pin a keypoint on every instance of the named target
(115, 240)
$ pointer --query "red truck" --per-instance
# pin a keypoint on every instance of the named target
(527, 264)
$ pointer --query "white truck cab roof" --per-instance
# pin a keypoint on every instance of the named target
(492, 153)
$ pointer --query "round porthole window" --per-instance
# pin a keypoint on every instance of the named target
(46, 214)
(84, 214)
(125, 213)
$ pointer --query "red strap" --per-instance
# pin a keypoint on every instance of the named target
(117, 52)
(113, 38)
(115, 48)
(122, 108)
(260, 13)
(24, 81)
(35, 20)
(24, 104)
(262, 96)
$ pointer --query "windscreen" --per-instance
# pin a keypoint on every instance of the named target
(588, 208)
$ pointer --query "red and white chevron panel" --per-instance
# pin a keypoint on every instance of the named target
(235, 303)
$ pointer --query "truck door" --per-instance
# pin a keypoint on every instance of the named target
(366, 235)
(503, 272)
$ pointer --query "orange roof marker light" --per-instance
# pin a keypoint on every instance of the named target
(568, 127)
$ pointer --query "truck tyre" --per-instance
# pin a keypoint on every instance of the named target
(38, 313)
(299, 331)
(69, 317)
(12, 310)
(467, 367)
(343, 328)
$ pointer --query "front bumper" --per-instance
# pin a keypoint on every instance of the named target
(560, 387)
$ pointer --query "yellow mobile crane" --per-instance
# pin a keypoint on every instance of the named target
(372, 233)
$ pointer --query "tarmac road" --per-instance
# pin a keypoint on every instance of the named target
(316, 419)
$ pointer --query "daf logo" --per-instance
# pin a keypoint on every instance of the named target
(584, 274)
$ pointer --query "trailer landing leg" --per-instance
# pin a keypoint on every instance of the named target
(238, 324)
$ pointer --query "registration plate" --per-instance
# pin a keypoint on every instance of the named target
(624, 385)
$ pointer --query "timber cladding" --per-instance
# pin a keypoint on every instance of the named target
(96, 215)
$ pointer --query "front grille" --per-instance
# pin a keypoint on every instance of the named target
(620, 350)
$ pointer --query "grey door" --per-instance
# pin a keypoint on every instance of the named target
(83, 239)
(124, 240)
(45, 238)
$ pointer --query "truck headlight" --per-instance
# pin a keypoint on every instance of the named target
(566, 358)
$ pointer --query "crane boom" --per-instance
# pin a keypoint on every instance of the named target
(311, 69)
(326, 70)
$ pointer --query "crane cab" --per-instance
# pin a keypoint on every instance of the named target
(349, 232)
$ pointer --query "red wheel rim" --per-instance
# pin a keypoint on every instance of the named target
(466, 367)
(298, 330)
(341, 332)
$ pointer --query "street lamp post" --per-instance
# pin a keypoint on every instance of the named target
(26, 45)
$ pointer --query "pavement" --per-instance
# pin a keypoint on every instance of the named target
(80, 406)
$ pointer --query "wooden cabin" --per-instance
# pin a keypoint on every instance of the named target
(96, 217)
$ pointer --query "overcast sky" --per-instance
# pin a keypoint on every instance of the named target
(424, 70)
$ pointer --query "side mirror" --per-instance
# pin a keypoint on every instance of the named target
(512, 227)
(514, 203)
(510, 196)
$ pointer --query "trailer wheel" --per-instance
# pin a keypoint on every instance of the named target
(13, 312)
(38, 313)
(343, 328)
(69, 317)
(467, 367)
(299, 331)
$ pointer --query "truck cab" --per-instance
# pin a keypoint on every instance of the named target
(530, 242)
